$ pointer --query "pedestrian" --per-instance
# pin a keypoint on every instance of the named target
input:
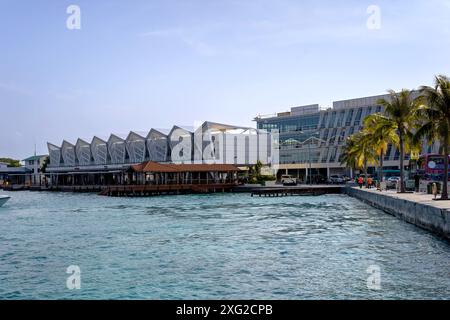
(360, 182)
(369, 183)
(417, 182)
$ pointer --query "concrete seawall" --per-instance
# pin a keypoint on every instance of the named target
(426, 214)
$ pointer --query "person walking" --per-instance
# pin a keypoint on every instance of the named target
(369, 183)
(360, 182)
(417, 182)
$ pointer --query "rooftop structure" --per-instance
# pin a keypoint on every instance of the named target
(210, 142)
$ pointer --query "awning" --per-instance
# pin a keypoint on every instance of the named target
(87, 172)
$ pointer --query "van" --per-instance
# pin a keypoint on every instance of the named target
(288, 180)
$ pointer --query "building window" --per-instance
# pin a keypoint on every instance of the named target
(352, 130)
(348, 122)
(358, 117)
(325, 135)
(397, 155)
(333, 136)
(324, 120)
(388, 152)
(333, 154)
(341, 156)
(332, 120)
(342, 136)
(325, 156)
(340, 119)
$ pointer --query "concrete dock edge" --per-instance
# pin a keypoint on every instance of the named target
(425, 216)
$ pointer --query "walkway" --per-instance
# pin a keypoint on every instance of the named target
(419, 198)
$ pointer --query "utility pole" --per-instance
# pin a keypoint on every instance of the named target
(310, 162)
(309, 141)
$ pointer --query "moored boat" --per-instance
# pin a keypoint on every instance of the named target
(4, 199)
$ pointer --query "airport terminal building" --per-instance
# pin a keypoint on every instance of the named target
(312, 138)
(106, 161)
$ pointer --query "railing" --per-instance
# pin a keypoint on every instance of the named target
(154, 183)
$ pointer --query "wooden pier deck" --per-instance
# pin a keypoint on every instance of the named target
(153, 190)
(284, 191)
(136, 190)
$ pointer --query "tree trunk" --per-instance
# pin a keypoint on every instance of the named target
(445, 182)
(402, 167)
(381, 164)
(365, 174)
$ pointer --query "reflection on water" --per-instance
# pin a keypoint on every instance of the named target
(228, 246)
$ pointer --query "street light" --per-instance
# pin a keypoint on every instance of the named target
(310, 140)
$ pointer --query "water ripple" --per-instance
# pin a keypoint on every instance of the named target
(217, 246)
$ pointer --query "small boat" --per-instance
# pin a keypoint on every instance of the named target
(4, 199)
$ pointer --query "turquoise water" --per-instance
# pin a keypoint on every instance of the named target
(224, 246)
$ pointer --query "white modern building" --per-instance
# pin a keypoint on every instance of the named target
(312, 138)
(209, 143)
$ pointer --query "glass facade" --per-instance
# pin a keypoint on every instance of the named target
(358, 117)
(331, 127)
(291, 124)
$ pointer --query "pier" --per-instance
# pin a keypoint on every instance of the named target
(134, 190)
(155, 190)
(284, 191)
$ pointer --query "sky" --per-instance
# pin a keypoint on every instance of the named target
(137, 65)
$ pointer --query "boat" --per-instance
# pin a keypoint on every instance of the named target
(4, 199)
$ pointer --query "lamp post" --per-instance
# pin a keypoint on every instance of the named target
(309, 141)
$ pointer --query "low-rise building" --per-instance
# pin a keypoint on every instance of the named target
(35, 165)
(14, 176)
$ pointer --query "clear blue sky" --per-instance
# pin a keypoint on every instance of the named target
(140, 64)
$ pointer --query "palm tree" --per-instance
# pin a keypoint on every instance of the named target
(359, 152)
(401, 111)
(383, 132)
(348, 157)
(436, 120)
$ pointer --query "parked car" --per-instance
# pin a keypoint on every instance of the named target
(335, 179)
(391, 182)
(347, 179)
(288, 180)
